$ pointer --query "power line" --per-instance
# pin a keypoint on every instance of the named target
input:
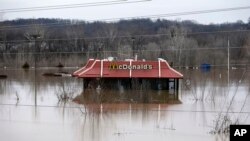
(126, 36)
(109, 51)
(56, 6)
(201, 11)
(181, 13)
(135, 17)
(69, 6)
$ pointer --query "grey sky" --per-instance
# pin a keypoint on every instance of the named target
(154, 7)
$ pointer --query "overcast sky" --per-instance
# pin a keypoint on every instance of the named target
(153, 7)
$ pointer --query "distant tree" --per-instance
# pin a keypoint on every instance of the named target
(108, 44)
(151, 52)
(102, 39)
(245, 50)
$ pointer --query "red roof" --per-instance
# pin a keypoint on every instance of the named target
(127, 69)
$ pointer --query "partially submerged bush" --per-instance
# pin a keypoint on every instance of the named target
(26, 65)
(60, 65)
(3, 76)
(222, 124)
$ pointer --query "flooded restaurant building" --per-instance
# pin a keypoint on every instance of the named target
(129, 74)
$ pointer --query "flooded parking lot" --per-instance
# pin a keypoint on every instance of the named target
(56, 108)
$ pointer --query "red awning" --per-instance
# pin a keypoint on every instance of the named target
(127, 69)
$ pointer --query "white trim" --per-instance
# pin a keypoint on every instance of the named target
(130, 70)
(89, 68)
(159, 67)
(174, 69)
(83, 66)
(163, 60)
(170, 67)
(79, 70)
(101, 68)
(176, 72)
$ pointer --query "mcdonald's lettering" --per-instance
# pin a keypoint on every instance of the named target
(114, 66)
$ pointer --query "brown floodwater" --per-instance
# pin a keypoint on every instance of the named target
(38, 108)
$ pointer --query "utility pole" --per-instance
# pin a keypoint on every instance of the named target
(133, 46)
(35, 37)
(228, 60)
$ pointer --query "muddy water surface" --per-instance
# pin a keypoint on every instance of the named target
(55, 108)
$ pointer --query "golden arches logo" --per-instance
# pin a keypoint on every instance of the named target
(113, 66)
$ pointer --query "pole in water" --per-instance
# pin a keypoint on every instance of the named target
(83, 86)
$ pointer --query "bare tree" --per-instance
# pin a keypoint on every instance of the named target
(152, 51)
(174, 43)
(109, 42)
(35, 36)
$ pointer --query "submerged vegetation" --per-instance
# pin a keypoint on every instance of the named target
(3, 76)
(26, 65)
(60, 65)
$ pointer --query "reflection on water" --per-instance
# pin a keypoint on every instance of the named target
(63, 112)
(128, 96)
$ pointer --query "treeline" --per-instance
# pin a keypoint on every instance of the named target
(70, 42)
